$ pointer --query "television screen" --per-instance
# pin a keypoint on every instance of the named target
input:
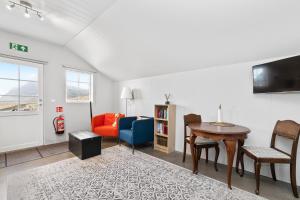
(278, 76)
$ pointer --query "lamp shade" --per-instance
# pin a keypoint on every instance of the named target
(126, 93)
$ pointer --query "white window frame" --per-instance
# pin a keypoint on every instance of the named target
(91, 91)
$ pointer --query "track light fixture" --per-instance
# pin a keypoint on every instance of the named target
(11, 6)
(40, 16)
(28, 9)
(26, 14)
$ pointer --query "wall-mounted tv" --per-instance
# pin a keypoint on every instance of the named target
(278, 76)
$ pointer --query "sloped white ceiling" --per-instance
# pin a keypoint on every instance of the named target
(127, 39)
(64, 19)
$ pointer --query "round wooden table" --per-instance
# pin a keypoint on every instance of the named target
(230, 135)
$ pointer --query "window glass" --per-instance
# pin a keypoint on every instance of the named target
(84, 91)
(29, 73)
(72, 76)
(28, 88)
(9, 103)
(9, 71)
(84, 78)
(9, 87)
(72, 91)
(28, 104)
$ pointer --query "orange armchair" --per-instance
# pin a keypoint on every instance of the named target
(106, 124)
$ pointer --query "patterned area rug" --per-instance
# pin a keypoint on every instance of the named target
(117, 174)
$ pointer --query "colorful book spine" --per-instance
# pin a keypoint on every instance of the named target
(165, 129)
(162, 113)
(162, 128)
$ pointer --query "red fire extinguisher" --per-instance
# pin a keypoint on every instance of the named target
(59, 121)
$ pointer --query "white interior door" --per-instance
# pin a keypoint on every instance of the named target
(21, 104)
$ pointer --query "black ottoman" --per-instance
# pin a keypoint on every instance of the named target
(84, 144)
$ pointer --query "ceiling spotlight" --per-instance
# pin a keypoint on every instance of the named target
(40, 16)
(27, 6)
(26, 14)
(11, 6)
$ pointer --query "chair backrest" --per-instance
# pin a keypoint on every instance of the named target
(112, 118)
(288, 129)
(189, 119)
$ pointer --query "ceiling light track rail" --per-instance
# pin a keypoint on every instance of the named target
(27, 6)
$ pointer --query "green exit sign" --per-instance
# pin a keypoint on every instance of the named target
(18, 47)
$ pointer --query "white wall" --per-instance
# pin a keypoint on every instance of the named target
(201, 91)
(76, 115)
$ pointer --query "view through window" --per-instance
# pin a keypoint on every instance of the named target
(19, 88)
(79, 86)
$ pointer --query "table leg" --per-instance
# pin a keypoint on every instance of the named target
(192, 143)
(240, 144)
(230, 148)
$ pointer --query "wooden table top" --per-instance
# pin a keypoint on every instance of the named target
(207, 127)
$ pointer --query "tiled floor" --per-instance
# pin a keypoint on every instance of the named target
(269, 189)
(2, 160)
(53, 149)
(21, 156)
(17, 157)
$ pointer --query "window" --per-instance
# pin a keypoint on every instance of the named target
(79, 87)
(19, 88)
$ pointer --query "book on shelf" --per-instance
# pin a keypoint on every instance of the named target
(162, 141)
(162, 128)
(162, 113)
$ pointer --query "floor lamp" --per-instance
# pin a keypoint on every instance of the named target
(126, 94)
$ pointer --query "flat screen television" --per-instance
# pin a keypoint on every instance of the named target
(278, 76)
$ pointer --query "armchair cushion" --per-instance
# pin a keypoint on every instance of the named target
(265, 152)
(106, 131)
(126, 135)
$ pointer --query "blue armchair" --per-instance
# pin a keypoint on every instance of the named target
(135, 131)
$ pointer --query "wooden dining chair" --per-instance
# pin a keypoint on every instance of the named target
(200, 143)
(287, 129)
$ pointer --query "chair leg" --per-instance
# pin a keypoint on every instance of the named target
(257, 166)
(238, 155)
(119, 141)
(199, 154)
(293, 179)
(217, 156)
(184, 152)
(197, 151)
(272, 166)
(242, 164)
(132, 148)
(206, 151)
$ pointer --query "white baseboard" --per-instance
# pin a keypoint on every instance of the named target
(47, 142)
